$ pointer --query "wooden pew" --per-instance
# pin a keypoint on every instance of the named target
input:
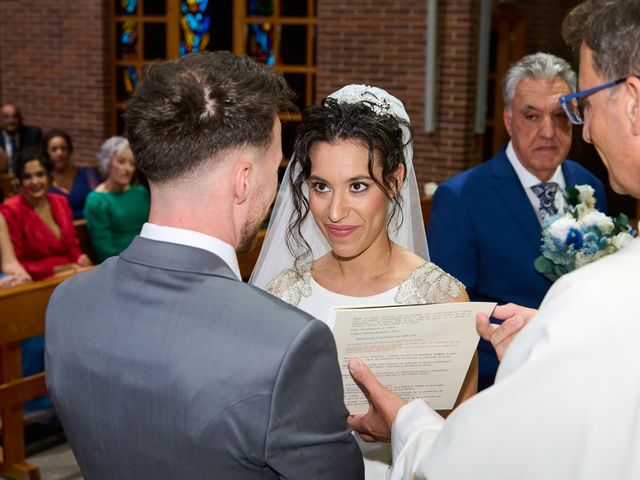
(22, 312)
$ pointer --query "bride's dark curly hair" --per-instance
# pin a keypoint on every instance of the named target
(334, 121)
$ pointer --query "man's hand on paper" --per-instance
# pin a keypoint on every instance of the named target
(375, 425)
(514, 318)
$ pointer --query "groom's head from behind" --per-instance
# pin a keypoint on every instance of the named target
(204, 131)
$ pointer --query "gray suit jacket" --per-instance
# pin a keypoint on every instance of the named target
(162, 365)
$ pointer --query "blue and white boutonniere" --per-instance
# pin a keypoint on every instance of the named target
(580, 236)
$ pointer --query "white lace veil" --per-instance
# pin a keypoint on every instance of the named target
(275, 256)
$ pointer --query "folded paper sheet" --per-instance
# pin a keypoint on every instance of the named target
(417, 351)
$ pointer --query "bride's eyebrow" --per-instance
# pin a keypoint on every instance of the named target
(358, 178)
(316, 178)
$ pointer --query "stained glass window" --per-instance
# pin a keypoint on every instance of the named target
(144, 32)
(194, 26)
(280, 34)
(127, 46)
(126, 7)
(260, 43)
(127, 80)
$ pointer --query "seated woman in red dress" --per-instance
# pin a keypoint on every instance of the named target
(40, 223)
(44, 239)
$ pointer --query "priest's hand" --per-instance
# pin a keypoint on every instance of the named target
(514, 318)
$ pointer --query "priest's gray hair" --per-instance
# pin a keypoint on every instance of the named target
(109, 149)
(536, 65)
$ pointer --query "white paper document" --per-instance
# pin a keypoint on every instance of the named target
(417, 351)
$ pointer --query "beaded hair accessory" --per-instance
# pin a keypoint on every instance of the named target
(378, 100)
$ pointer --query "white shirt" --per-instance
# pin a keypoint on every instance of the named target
(7, 144)
(191, 238)
(528, 180)
(566, 402)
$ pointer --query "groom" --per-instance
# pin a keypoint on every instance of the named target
(161, 363)
(566, 402)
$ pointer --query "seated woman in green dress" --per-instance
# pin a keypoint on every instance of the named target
(116, 210)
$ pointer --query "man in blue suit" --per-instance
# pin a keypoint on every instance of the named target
(485, 225)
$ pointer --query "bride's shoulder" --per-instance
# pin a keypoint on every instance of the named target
(290, 285)
(428, 283)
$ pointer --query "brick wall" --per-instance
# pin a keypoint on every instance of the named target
(544, 22)
(54, 54)
(53, 64)
(382, 42)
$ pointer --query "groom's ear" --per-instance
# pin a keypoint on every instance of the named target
(241, 176)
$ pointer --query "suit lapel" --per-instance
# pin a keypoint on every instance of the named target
(510, 191)
(568, 173)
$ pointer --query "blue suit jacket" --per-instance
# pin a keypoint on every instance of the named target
(484, 231)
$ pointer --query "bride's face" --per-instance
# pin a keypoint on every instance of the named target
(348, 206)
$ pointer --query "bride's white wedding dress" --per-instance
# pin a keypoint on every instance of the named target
(426, 284)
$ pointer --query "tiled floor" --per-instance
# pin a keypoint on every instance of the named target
(57, 463)
(47, 448)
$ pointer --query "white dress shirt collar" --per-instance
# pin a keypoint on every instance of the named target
(191, 238)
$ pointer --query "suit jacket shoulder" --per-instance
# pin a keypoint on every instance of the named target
(224, 380)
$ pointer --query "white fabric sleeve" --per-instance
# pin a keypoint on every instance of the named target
(413, 432)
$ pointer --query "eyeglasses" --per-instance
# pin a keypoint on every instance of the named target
(573, 104)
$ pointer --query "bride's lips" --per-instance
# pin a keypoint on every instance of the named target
(340, 230)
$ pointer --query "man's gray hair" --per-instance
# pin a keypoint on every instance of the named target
(536, 65)
(611, 29)
(109, 149)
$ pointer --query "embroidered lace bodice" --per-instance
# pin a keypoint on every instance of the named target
(428, 283)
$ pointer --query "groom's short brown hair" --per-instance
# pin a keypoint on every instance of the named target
(190, 110)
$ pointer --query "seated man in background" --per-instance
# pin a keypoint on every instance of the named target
(15, 137)
(486, 223)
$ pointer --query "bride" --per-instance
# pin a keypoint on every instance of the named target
(349, 213)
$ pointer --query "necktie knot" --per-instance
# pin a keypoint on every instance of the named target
(546, 193)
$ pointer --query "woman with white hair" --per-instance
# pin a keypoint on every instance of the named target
(116, 210)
